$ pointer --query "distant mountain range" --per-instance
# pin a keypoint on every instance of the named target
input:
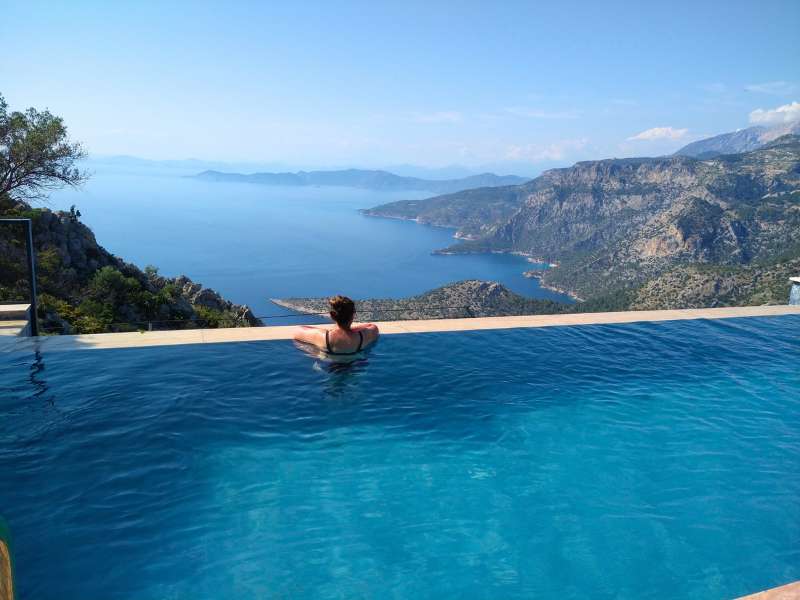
(365, 179)
(735, 142)
(642, 232)
(185, 166)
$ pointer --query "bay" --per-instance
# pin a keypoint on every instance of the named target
(252, 242)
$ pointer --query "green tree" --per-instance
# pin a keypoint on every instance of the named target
(109, 286)
(36, 154)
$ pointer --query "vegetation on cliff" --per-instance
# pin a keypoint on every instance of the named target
(615, 227)
(82, 287)
(473, 212)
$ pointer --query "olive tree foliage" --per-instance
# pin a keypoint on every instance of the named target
(36, 154)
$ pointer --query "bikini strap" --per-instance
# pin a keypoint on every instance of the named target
(360, 340)
(327, 341)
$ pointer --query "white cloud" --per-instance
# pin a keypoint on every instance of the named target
(533, 113)
(776, 88)
(445, 116)
(535, 153)
(788, 113)
(659, 133)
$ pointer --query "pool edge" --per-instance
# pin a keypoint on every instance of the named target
(790, 591)
(254, 334)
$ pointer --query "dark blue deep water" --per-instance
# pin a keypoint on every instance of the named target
(631, 461)
(254, 242)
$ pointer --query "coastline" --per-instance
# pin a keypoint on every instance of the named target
(554, 288)
(366, 212)
(448, 252)
(534, 260)
(539, 275)
(532, 274)
(297, 306)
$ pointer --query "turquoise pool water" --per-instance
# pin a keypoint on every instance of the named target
(631, 461)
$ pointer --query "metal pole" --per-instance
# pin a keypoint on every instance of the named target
(32, 277)
(31, 256)
(794, 291)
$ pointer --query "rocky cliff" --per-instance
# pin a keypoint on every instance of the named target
(84, 288)
(735, 142)
(473, 213)
(617, 224)
(699, 286)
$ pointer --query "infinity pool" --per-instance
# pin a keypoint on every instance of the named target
(618, 461)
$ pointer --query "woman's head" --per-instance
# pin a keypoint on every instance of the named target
(342, 311)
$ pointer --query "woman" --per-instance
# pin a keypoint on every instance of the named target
(345, 339)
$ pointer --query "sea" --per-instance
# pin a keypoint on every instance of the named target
(252, 243)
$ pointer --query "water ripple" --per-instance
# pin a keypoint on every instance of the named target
(620, 461)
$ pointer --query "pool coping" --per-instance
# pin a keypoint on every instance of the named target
(790, 591)
(256, 334)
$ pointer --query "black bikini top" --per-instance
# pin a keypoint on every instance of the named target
(329, 350)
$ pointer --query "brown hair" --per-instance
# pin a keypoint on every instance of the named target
(342, 311)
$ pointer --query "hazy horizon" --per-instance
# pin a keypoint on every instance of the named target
(452, 171)
(515, 89)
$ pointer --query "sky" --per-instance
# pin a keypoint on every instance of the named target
(515, 87)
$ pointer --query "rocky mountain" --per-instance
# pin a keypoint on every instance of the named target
(739, 141)
(703, 285)
(471, 298)
(472, 212)
(83, 288)
(371, 180)
(614, 225)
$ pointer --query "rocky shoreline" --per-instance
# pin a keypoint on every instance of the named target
(540, 273)
(457, 235)
(367, 213)
(83, 288)
(463, 299)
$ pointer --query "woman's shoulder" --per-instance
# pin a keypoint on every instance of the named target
(368, 331)
(311, 335)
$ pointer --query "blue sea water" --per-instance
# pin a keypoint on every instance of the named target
(253, 242)
(656, 460)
